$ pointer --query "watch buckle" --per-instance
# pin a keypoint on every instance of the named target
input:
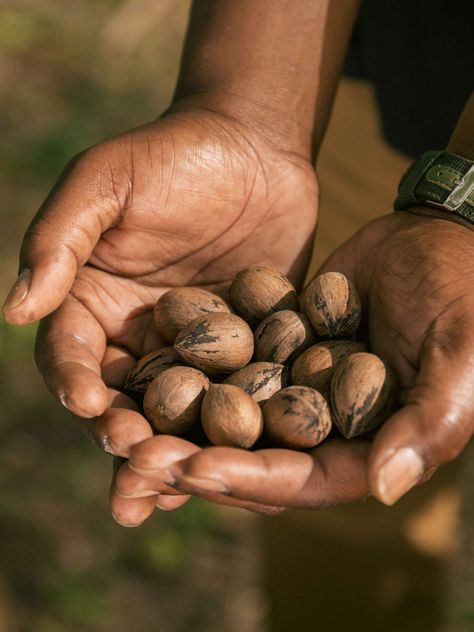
(464, 187)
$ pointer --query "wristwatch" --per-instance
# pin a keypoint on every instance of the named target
(439, 179)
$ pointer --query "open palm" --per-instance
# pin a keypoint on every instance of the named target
(415, 276)
(187, 200)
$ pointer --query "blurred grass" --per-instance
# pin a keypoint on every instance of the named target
(74, 74)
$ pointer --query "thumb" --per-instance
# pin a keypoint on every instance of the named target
(437, 421)
(61, 237)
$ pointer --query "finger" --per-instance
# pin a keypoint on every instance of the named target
(168, 503)
(69, 349)
(116, 399)
(116, 365)
(152, 459)
(334, 472)
(118, 429)
(130, 484)
(62, 236)
(130, 512)
(437, 421)
(134, 494)
(217, 498)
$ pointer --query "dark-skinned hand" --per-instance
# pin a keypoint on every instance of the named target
(415, 275)
(190, 199)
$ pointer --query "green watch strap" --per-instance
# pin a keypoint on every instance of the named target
(440, 179)
(411, 178)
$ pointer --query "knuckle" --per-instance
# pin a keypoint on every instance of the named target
(102, 170)
(448, 438)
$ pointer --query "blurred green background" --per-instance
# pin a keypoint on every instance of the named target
(73, 74)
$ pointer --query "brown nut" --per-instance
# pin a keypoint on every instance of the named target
(363, 393)
(179, 306)
(260, 379)
(148, 367)
(282, 336)
(315, 366)
(173, 400)
(230, 416)
(297, 417)
(216, 343)
(332, 305)
(259, 291)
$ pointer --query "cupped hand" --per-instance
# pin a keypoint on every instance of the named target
(415, 276)
(190, 199)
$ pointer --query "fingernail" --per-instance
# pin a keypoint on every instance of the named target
(63, 398)
(19, 290)
(126, 524)
(399, 474)
(206, 484)
(104, 444)
(162, 505)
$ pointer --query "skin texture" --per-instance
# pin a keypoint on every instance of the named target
(219, 183)
(121, 208)
(418, 301)
(274, 63)
(188, 200)
(417, 298)
(222, 181)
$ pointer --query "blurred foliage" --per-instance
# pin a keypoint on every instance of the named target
(74, 74)
(72, 78)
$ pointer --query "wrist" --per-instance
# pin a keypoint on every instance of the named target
(266, 117)
(271, 64)
(423, 210)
